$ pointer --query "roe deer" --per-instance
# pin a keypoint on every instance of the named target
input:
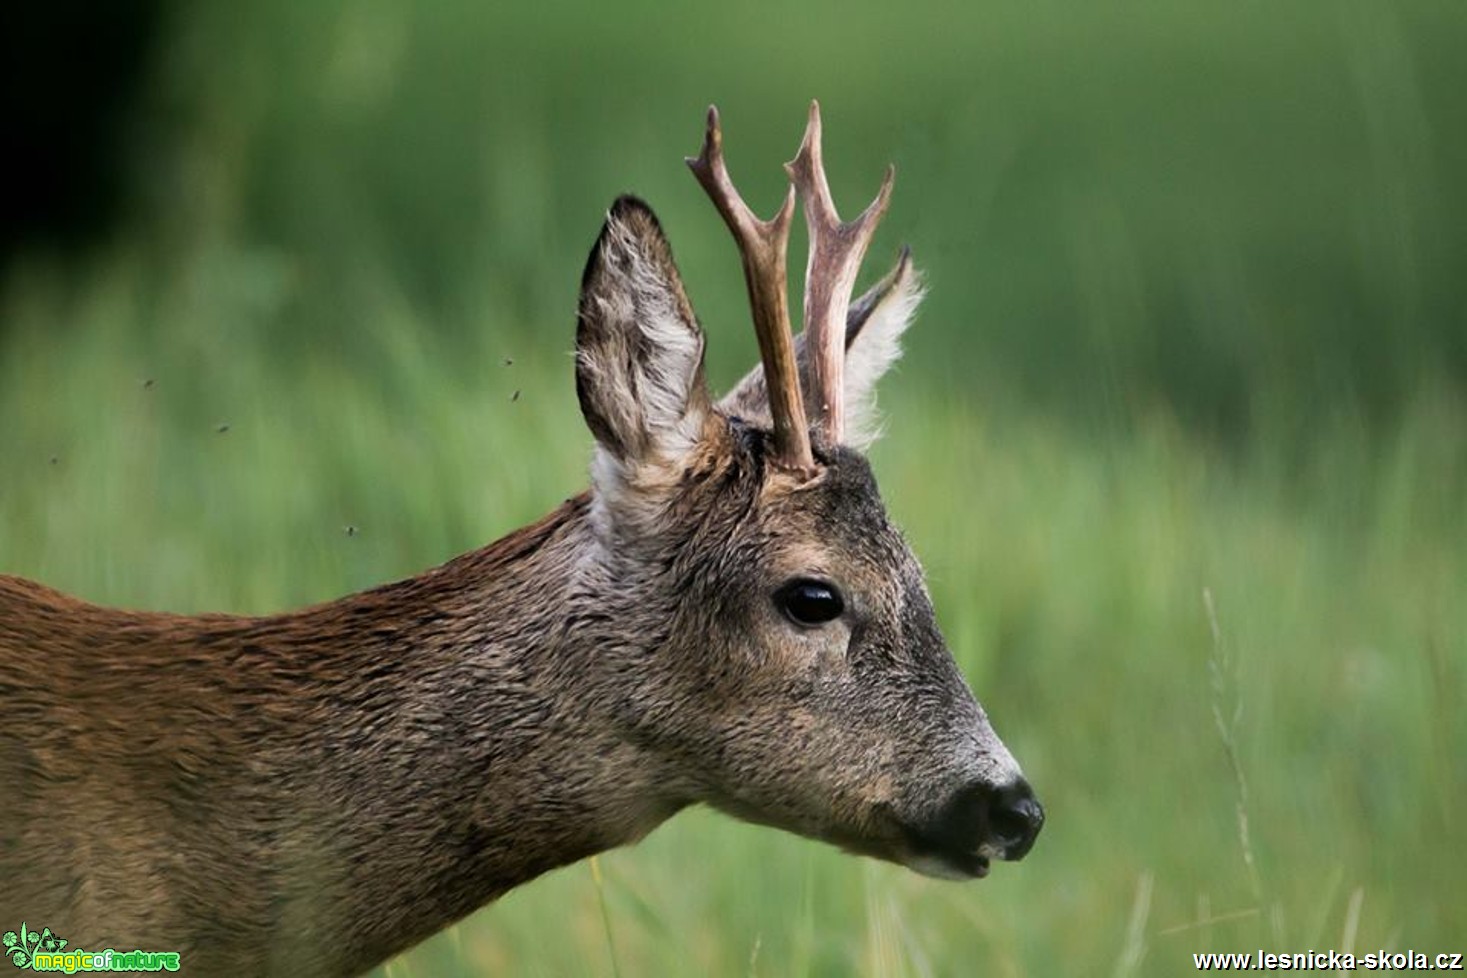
(725, 617)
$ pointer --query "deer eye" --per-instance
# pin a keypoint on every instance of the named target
(810, 604)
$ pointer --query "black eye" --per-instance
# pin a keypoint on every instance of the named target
(810, 604)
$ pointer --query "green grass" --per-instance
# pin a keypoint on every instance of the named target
(1195, 324)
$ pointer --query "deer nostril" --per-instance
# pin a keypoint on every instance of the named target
(1014, 819)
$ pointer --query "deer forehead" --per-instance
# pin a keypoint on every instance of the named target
(839, 511)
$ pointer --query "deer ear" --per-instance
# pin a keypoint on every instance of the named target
(639, 351)
(874, 328)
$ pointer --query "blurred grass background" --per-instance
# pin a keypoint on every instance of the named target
(1198, 321)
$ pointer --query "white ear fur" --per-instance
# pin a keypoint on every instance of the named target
(874, 349)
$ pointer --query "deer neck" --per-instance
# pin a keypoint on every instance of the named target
(481, 750)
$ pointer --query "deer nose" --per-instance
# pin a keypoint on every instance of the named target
(998, 820)
(1014, 819)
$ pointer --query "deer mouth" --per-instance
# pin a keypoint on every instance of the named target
(931, 858)
(925, 852)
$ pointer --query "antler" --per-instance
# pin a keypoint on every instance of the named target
(763, 246)
(836, 250)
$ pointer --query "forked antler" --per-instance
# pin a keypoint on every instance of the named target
(763, 246)
(836, 250)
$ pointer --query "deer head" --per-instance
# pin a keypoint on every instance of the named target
(774, 644)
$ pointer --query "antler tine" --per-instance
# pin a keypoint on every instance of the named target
(836, 250)
(763, 246)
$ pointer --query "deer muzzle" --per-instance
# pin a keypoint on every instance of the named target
(981, 822)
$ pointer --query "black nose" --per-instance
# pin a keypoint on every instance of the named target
(1014, 819)
(1003, 820)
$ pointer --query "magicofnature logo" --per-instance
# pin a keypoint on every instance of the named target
(44, 951)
